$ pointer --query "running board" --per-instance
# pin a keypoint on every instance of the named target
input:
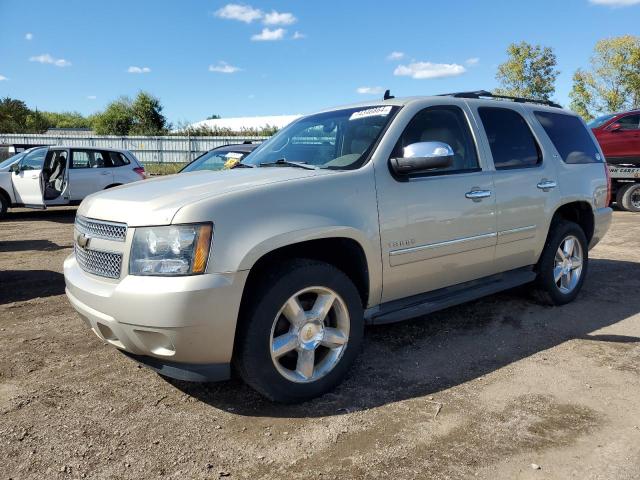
(425, 303)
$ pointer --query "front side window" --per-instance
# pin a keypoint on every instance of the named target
(510, 138)
(446, 124)
(33, 160)
(630, 122)
(339, 139)
(570, 137)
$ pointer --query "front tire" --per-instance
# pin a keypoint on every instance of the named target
(300, 331)
(563, 264)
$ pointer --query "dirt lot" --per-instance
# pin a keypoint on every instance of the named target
(483, 390)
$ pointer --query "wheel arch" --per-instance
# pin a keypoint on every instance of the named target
(5, 195)
(580, 212)
(112, 185)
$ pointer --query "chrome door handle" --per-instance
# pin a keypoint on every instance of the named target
(477, 195)
(546, 185)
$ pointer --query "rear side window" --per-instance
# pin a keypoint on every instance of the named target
(118, 159)
(510, 138)
(570, 137)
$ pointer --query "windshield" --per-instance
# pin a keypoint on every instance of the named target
(13, 159)
(215, 160)
(340, 139)
(600, 121)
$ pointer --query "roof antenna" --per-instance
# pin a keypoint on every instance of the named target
(387, 95)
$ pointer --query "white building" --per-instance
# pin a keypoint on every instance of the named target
(239, 124)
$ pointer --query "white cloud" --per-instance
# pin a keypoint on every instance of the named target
(395, 56)
(298, 36)
(134, 69)
(46, 58)
(3, 78)
(28, 36)
(428, 70)
(370, 90)
(91, 97)
(223, 67)
(268, 35)
(242, 13)
(277, 18)
(615, 3)
(472, 62)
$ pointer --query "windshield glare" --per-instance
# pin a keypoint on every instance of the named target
(600, 121)
(340, 139)
(214, 160)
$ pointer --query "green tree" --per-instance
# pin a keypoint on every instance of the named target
(529, 72)
(117, 118)
(65, 120)
(613, 81)
(147, 116)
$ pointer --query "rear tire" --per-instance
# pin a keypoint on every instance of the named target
(563, 264)
(291, 354)
(628, 197)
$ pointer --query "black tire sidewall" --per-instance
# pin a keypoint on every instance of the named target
(620, 195)
(545, 280)
(253, 358)
(3, 205)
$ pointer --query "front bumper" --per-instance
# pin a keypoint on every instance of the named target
(601, 223)
(182, 327)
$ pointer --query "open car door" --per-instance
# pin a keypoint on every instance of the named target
(28, 181)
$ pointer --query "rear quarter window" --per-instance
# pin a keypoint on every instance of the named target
(570, 137)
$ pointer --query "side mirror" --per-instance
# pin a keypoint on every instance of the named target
(423, 156)
(615, 127)
(15, 168)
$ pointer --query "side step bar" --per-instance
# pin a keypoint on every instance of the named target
(425, 303)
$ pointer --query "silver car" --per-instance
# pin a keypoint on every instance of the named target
(44, 177)
(370, 213)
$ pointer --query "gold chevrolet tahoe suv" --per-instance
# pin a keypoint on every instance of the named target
(365, 214)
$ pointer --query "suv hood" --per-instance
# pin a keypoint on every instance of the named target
(156, 201)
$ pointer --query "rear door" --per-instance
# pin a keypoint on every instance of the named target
(89, 172)
(525, 180)
(28, 184)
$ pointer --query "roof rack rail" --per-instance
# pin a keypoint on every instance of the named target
(485, 94)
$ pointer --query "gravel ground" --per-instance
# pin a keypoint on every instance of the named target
(498, 388)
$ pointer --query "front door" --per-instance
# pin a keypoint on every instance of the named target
(28, 181)
(437, 227)
(88, 173)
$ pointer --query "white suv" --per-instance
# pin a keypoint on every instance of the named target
(54, 176)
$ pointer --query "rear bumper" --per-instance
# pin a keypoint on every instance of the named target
(601, 223)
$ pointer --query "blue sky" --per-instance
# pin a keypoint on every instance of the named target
(281, 57)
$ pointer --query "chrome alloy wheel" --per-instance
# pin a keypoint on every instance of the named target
(309, 334)
(568, 264)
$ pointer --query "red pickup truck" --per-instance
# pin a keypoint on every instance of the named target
(619, 137)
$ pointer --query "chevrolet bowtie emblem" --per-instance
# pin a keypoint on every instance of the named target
(83, 240)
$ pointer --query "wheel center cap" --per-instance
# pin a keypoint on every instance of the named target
(310, 332)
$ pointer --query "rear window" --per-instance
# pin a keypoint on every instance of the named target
(570, 137)
(510, 138)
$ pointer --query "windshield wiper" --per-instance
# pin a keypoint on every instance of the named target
(286, 163)
(243, 165)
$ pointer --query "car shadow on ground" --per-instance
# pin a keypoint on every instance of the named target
(424, 356)
(22, 285)
(30, 245)
(64, 215)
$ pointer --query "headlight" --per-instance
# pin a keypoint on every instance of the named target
(172, 250)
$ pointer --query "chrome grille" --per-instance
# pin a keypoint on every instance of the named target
(103, 264)
(101, 229)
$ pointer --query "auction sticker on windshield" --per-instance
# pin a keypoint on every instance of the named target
(371, 112)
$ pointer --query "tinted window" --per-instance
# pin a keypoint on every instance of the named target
(33, 160)
(445, 124)
(570, 137)
(510, 138)
(117, 159)
(630, 122)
